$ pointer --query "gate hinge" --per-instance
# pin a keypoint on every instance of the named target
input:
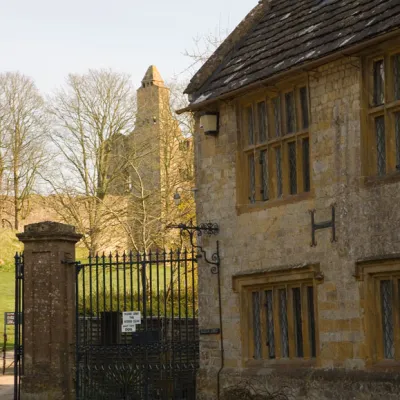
(76, 263)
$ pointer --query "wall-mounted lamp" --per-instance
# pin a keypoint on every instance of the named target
(209, 122)
(177, 196)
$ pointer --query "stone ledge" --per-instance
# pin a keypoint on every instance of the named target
(52, 231)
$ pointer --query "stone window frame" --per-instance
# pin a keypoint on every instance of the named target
(389, 110)
(260, 282)
(252, 195)
(370, 273)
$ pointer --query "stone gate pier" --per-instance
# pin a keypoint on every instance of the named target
(49, 311)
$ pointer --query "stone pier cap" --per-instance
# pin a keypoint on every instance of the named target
(49, 230)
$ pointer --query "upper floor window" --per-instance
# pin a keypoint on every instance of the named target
(382, 76)
(275, 148)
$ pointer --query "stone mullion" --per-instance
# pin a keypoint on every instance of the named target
(396, 317)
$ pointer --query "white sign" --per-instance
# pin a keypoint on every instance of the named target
(129, 322)
(129, 317)
(128, 328)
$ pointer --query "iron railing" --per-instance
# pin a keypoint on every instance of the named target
(157, 361)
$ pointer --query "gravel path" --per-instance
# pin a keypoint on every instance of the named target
(6, 387)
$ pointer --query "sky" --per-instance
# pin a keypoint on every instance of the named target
(48, 39)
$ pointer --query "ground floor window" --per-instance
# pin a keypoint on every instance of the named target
(283, 322)
(381, 287)
(278, 314)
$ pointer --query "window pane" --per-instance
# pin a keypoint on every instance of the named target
(304, 107)
(397, 134)
(278, 165)
(311, 320)
(292, 168)
(270, 324)
(290, 113)
(298, 328)
(262, 121)
(283, 323)
(264, 174)
(252, 179)
(379, 79)
(306, 165)
(277, 115)
(387, 318)
(250, 127)
(380, 145)
(396, 76)
(256, 325)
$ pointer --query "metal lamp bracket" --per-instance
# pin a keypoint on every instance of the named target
(208, 228)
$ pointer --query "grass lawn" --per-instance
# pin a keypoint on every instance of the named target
(9, 245)
(6, 304)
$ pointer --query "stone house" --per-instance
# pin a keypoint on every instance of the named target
(303, 179)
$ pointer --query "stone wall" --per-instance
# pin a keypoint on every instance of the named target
(367, 226)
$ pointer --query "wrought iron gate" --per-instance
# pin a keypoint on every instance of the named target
(18, 322)
(157, 358)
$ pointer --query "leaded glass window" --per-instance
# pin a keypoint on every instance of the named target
(262, 121)
(396, 76)
(264, 174)
(277, 115)
(270, 324)
(306, 165)
(311, 320)
(298, 327)
(380, 145)
(250, 125)
(381, 292)
(292, 168)
(379, 81)
(283, 322)
(290, 113)
(257, 326)
(382, 123)
(278, 162)
(270, 124)
(304, 107)
(397, 135)
(386, 287)
(252, 177)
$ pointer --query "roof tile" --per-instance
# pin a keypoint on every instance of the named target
(291, 34)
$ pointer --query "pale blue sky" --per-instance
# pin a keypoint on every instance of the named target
(47, 39)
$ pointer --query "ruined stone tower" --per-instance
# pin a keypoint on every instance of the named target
(154, 125)
(161, 156)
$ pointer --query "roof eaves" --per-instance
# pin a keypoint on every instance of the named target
(202, 102)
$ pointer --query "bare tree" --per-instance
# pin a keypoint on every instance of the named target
(115, 181)
(23, 127)
(204, 46)
(93, 115)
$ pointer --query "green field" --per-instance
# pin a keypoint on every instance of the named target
(6, 304)
(9, 245)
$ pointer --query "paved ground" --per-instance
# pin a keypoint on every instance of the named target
(6, 387)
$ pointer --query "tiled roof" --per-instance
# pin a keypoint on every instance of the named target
(294, 32)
